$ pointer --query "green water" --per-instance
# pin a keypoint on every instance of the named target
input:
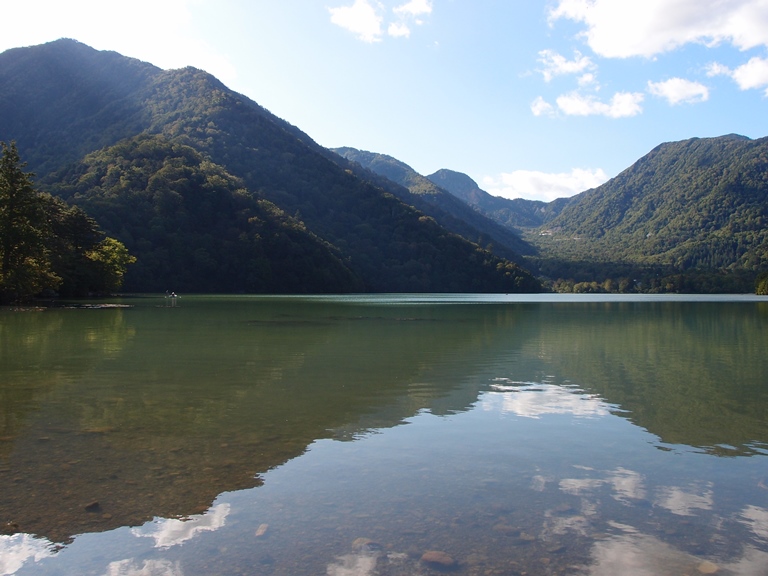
(349, 435)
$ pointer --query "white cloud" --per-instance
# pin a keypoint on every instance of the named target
(414, 8)
(753, 74)
(409, 13)
(541, 107)
(679, 90)
(650, 27)
(556, 64)
(399, 30)
(622, 105)
(627, 485)
(716, 69)
(543, 186)
(362, 19)
(365, 18)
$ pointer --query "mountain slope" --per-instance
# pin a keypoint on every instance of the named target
(448, 210)
(388, 245)
(194, 227)
(701, 202)
(517, 213)
(64, 99)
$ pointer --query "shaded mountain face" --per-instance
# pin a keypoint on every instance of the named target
(194, 227)
(66, 101)
(517, 213)
(451, 211)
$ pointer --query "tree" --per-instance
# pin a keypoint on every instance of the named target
(25, 265)
(84, 259)
(45, 244)
(110, 259)
(761, 284)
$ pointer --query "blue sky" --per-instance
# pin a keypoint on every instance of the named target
(534, 99)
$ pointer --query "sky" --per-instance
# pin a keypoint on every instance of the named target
(534, 99)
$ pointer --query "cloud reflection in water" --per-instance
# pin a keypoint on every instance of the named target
(532, 400)
(169, 532)
(147, 568)
(18, 549)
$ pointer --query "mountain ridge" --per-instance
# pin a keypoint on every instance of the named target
(451, 211)
(387, 244)
(688, 216)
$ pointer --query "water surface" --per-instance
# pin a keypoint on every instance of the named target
(350, 435)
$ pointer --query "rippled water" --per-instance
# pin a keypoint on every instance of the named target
(351, 435)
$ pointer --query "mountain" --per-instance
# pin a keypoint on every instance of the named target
(449, 210)
(690, 216)
(153, 152)
(696, 204)
(517, 213)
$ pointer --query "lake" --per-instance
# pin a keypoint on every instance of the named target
(385, 434)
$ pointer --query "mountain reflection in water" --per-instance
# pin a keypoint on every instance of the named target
(526, 428)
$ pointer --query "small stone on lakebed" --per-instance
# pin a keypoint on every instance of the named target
(366, 544)
(708, 567)
(438, 558)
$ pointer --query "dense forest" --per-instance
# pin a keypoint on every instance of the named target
(210, 192)
(194, 226)
(690, 216)
(47, 245)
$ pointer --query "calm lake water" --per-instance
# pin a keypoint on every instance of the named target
(348, 436)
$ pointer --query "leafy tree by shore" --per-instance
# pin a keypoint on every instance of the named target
(47, 245)
(761, 285)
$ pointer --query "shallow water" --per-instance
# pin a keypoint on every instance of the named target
(350, 435)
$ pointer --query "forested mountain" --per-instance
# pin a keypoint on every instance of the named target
(690, 216)
(195, 225)
(212, 192)
(685, 208)
(517, 213)
(449, 210)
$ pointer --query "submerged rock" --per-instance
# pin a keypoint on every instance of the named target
(438, 558)
(366, 544)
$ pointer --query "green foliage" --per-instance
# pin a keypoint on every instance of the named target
(761, 284)
(190, 231)
(690, 216)
(47, 245)
(25, 266)
(111, 259)
(194, 227)
(695, 212)
(449, 210)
